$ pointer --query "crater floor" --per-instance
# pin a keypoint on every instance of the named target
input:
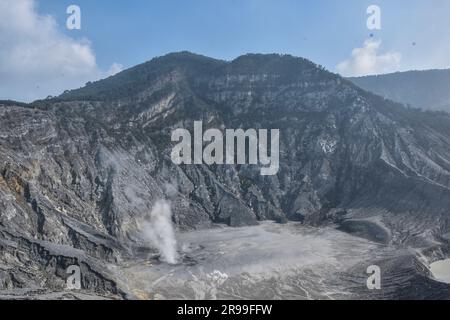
(271, 261)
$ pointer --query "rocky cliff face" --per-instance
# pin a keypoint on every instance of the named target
(78, 171)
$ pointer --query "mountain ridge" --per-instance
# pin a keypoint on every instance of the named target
(143, 73)
(80, 173)
(424, 89)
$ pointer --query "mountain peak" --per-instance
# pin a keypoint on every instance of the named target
(191, 65)
(272, 63)
(141, 76)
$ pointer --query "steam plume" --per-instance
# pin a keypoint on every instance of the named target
(158, 230)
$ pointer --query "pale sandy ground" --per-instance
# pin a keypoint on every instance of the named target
(269, 261)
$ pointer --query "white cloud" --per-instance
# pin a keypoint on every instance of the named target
(36, 59)
(114, 69)
(367, 60)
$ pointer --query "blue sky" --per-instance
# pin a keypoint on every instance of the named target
(415, 34)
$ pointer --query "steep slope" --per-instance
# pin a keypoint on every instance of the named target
(427, 89)
(78, 171)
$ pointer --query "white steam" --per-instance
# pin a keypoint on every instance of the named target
(159, 231)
